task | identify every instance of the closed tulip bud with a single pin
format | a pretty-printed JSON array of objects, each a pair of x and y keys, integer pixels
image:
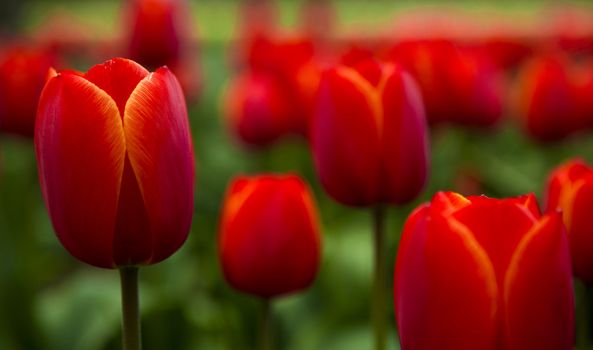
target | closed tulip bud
[
  {"x": 23, "y": 73},
  {"x": 369, "y": 137},
  {"x": 156, "y": 33},
  {"x": 159, "y": 34},
  {"x": 273, "y": 96},
  {"x": 473, "y": 83},
  {"x": 547, "y": 99},
  {"x": 570, "y": 190},
  {"x": 483, "y": 273},
  {"x": 257, "y": 110},
  {"x": 115, "y": 163},
  {"x": 269, "y": 242}
]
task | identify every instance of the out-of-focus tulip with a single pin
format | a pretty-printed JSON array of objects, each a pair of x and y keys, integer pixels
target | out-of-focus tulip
[
  {"x": 257, "y": 109},
  {"x": 482, "y": 273},
  {"x": 473, "y": 84},
  {"x": 159, "y": 34},
  {"x": 116, "y": 163},
  {"x": 547, "y": 102},
  {"x": 506, "y": 51},
  {"x": 274, "y": 95},
  {"x": 369, "y": 136},
  {"x": 570, "y": 189},
  {"x": 23, "y": 73},
  {"x": 269, "y": 242}
]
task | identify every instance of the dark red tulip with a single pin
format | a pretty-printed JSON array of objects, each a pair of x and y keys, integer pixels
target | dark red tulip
[
  {"x": 269, "y": 242},
  {"x": 481, "y": 273},
  {"x": 23, "y": 73},
  {"x": 547, "y": 103},
  {"x": 116, "y": 163},
  {"x": 369, "y": 137},
  {"x": 473, "y": 85},
  {"x": 159, "y": 34},
  {"x": 570, "y": 189}
]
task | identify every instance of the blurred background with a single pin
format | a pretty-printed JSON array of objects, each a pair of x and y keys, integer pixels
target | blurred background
[{"x": 48, "y": 300}]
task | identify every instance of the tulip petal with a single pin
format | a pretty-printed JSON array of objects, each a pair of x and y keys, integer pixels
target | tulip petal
[
  {"x": 488, "y": 221},
  {"x": 405, "y": 145},
  {"x": 577, "y": 218},
  {"x": 538, "y": 294},
  {"x": 118, "y": 77},
  {"x": 80, "y": 151},
  {"x": 345, "y": 137},
  {"x": 445, "y": 287},
  {"x": 161, "y": 154}
]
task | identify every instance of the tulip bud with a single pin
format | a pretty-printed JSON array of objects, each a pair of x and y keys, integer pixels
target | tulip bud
[
  {"x": 257, "y": 109},
  {"x": 115, "y": 163},
  {"x": 482, "y": 273},
  {"x": 369, "y": 136},
  {"x": 473, "y": 85},
  {"x": 269, "y": 242},
  {"x": 23, "y": 73},
  {"x": 547, "y": 99},
  {"x": 159, "y": 34},
  {"x": 570, "y": 189},
  {"x": 274, "y": 95}
]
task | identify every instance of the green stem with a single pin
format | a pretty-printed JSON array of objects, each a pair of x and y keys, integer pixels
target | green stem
[
  {"x": 583, "y": 317},
  {"x": 130, "y": 308},
  {"x": 265, "y": 328},
  {"x": 379, "y": 297}
]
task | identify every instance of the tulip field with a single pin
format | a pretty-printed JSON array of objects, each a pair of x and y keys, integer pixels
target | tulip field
[{"x": 299, "y": 175}]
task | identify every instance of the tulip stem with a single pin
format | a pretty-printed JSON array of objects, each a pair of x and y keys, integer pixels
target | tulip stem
[
  {"x": 583, "y": 317},
  {"x": 265, "y": 328},
  {"x": 131, "y": 314},
  {"x": 379, "y": 297}
]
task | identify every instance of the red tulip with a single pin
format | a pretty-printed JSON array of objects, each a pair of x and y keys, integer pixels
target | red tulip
[
  {"x": 481, "y": 273},
  {"x": 547, "y": 99},
  {"x": 257, "y": 109},
  {"x": 156, "y": 31},
  {"x": 159, "y": 34},
  {"x": 570, "y": 189},
  {"x": 23, "y": 73},
  {"x": 369, "y": 136},
  {"x": 274, "y": 95},
  {"x": 506, "y": 50},
  {"x": 473, "y": 85},
  {"x": 116, "y": 163},
  {"x": 269, "y": 242}
]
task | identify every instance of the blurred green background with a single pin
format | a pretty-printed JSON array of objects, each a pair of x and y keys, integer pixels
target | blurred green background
[{"x": 48, "y": 300}]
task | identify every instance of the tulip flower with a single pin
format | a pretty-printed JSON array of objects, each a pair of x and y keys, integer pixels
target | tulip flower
[
  {"x": 158, "y": 34},
  {"x": 483, "y": 273},
  {"x": 269, "y": 242},
  {"x": 116, "y": 165},
  {"x": 23, "y": 73},
  {"x": 548, "y": 99},
  {"x": 273, "y": 95},
  {"x": 473, "y": 84},
  {"x": 368, "y": 135},
  {"x": 257, "y": 109},
  {"x": 370, "y": 148},
  {"x": 570, "y": 189}
]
